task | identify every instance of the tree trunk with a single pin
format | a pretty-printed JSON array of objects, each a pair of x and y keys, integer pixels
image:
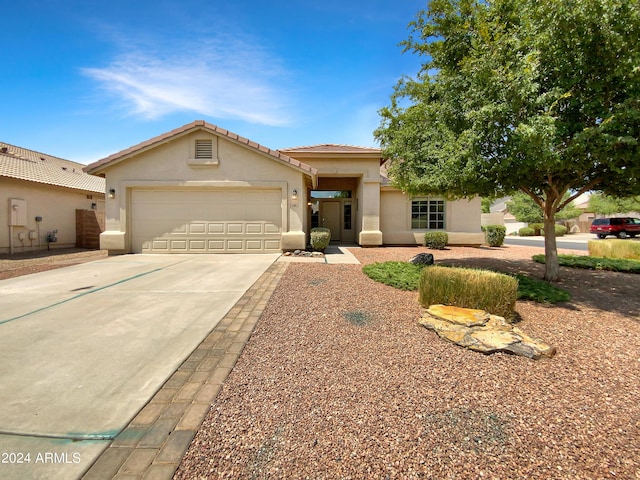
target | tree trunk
[{"x": 552, "y": 267}]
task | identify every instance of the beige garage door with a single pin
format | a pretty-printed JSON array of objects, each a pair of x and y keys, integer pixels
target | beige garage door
[{"x": 206, "y": 221}]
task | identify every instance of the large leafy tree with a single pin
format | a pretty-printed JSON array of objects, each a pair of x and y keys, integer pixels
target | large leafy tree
[
  {"x": 519, "y": 95},
  {"x": 607, "y": 205}
]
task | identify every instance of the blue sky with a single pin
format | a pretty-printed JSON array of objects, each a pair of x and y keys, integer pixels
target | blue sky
[{"x": 84, "y": 79}]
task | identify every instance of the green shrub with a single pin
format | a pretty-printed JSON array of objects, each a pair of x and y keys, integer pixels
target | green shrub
[
  {"x": 526, "y": 232},
  {"x": 406, "y": 276},
  {"x": 436, "y": 240},
  {"x": 561, "y": 230},
  {"x": 595, "y": 263},
  {"x": 494, "y": 234},
  {"x": 320, "y": 238},
  {"x": 536, "y": 228},
  {"x": 493, "y": 292},
  {"x": 401, "y": 275},
  {"x": 614, "y": 249}
]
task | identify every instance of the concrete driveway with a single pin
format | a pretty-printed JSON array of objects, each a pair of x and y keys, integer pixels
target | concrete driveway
[{"x": 83, "y": 348}]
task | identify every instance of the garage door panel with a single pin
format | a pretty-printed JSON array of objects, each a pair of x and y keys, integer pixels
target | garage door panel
[
  {"x": 197, "y": 228},
  {"x": 237, "y": 245},
  {"x": 254, "y": 245},
  {"x": 158, "y": 245},
  {"x": 254, "y": 228},
  {"x": 270, "y": 228},
  {"x": 272, "y": 244},
  {"x": 179, "y": 245},
  {"x": 214, "y": 228},
  {"x": 235, "y": 228},
  {"x": 200, "y": 221},
  {"x": 216, "y": 245}
]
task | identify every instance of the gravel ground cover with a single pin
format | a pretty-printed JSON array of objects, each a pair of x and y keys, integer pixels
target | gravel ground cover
[
  {"x": 25, "y": 263},
  {"x": 339, "y": 381}
]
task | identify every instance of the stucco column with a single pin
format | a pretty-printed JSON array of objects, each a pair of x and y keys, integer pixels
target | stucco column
[
  {"x": 294, "y": 237},
  {"x": 113, "y": 238},
  {"x": 370, "y": 234}
]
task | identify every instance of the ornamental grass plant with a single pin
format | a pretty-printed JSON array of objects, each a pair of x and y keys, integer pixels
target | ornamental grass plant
[
  {"x": 493, "y": 292},
  {"x": 614, "y": 249}
]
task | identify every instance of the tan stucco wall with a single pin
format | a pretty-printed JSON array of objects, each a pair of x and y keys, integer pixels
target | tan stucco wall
[
  {"x": 462, "y": 220},
  {"x": 171, "y": 165},
  {"x": 57, "y": 207}
]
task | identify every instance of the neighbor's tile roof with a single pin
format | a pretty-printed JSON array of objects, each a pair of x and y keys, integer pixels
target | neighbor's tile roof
[
  {"x": 202, "y": 125},
  {"x": 23, "y": 164}
]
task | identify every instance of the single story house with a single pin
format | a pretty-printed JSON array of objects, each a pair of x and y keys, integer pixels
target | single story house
[
  {"x": 202, "y": 189},
  {"x": 49, "y": 202}
]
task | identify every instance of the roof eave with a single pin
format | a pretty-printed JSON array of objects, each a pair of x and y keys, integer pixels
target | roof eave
[{"x": 102, "y": 165}]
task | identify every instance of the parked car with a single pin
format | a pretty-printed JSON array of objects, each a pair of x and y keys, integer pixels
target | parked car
[{"x": 621, "y": 227}]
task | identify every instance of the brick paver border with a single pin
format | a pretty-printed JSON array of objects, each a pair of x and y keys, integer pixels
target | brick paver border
[{"x": 154, "y": 442}]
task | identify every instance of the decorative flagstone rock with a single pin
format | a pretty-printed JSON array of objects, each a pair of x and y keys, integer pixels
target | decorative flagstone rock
[{"x": 480, "y": 331}]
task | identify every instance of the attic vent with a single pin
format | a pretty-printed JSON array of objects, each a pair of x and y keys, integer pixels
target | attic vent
[{"x": 204, "y": 149}]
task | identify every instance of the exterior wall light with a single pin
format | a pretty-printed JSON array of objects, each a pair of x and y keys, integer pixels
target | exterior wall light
[
  {"x": 294, "y": 194},
  {"x": 112, "y": 193}
]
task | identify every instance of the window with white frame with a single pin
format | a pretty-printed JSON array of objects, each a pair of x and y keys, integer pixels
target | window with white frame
[{"x": 427, "y": 214}]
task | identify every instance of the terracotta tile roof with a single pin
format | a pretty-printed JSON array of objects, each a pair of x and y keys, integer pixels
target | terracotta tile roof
[
  {"x": 331, "y": 148},
  {"x": 23, "y": 164},
  {"x": 185, "y": 129}
]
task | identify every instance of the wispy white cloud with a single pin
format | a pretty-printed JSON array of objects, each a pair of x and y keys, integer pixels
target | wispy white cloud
[{"x": 215, "y": 77}]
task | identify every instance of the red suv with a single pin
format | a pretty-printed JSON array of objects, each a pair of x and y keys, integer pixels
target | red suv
[{"x": 621, "y": 227}]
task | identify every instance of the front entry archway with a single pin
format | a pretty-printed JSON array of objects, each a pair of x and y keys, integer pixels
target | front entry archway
[
  {"x": 336, "y": 214},
  {"x": 332, "y": 207}
]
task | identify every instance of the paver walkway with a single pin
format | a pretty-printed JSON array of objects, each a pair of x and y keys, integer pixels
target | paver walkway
[{"x": 153, "y": 444}]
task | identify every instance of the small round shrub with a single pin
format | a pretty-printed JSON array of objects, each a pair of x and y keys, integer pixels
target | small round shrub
[
  {"x": 561, "y": 231},
  {"x": 537, "y": 227},
  {"x": 320, "y": 238},
  {"x": 526, "y": 232},
  {"x": 494, "y": 234},
  {"x": 436, "y": 240}
]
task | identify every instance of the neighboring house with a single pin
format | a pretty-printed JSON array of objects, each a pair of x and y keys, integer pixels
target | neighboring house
[
  {"x": 200, "y": 188},
  {"x": 44, "y": 199},
  {"x": 499, "y": 215}
]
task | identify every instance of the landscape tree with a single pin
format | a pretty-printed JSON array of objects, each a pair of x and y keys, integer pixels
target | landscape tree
[
  {"x": 519, "y": 95},
  {"x": 608, "y": 205},
  {"x": 525, "y": 209}
]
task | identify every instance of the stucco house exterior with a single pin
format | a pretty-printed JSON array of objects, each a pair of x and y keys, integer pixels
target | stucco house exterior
[
  {"x": 202, "y": 189},
  {"x": 42, "y": 196}
]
